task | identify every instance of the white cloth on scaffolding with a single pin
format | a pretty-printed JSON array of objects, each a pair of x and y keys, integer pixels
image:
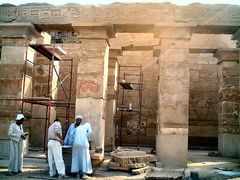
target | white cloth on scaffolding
[
  {"x": 69, "y": 139},
  {"x": 81, "y": 160},
  {"x": 16, "y": 148},
  {"x": 55, "y": 159}
]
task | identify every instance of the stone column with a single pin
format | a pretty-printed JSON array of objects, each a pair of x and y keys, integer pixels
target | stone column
[
  {"x": 14, "y": 39},
  {"x": 92, "y": 76},
  {"x": 111, "y": 99},
  {"x": 173, "y": 89},
  {"x": 229, "y": 102}
]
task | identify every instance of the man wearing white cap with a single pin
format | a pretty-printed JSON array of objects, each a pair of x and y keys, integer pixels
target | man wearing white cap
[
  {"x": 71, "y": 131},
  {"x": 16, "y": 136}
]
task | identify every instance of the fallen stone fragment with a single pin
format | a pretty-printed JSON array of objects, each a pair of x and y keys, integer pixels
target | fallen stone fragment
[{"x": 140, "y": 170}]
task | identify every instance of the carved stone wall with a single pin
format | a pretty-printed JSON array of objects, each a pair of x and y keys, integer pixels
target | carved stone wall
[
  {"x": 149, "y": 98},
  {"x": 203, "y": 104},
  {"x": 123, "y": 14}
]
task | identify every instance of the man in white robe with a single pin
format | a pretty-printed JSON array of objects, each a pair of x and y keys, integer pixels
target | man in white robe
[
  {"x": 81, "y": 160},
  {"x": 69, "y": 138},
  {"x": 16, "y": 136},
  {"x": 55, "y": 142}
]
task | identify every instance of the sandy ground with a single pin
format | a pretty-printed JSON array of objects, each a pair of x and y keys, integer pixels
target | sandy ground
[{"x": 209, "y": 168}]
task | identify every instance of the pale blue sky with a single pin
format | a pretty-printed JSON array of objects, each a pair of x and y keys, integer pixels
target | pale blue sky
[{"x": 96, "y": 2}]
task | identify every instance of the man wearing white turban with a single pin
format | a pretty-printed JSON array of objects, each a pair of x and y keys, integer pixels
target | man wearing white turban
[
  {"x": 81, "y": 160},
  {"x": 69, "y": 138},
  {"x": 16, "y": 136}
]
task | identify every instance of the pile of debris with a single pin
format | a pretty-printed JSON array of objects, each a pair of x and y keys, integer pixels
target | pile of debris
[{"x": 131, "y": 160}]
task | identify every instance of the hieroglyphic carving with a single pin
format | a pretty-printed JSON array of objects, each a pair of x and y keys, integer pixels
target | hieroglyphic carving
[
  {"x": 84, "y": 14},
  {"x": 210, "y": 14},
  {"x": 123, "y": 13},
  {"x": 8, "y": 14},
  {"x": 231, "y": 14},
  {"x": 109, "y": 14}
]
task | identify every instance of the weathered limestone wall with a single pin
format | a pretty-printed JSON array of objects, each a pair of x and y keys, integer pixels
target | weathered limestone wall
[
  {"x": 203, "y": 102},
  {"x": 149, "y": 100},
  {"x": 11, "y": 76},
  {"x": 13, "y": 55}
]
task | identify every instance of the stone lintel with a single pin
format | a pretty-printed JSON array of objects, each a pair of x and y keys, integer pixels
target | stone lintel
[
  {"x": 94, "y": 30},
  {"x": 134, "y": 28},
  {"x": 55, "y": 27},
  {"x": 182, "y": 131},
  {"x": 137, "y": 48},
  {"x": 227, "y": 55},
  {"x": 18, "y": 30},
  {"x": 202, "y": 50},
  {"x": 174, "y": 30},
  {"x": 216, "y": 29}
]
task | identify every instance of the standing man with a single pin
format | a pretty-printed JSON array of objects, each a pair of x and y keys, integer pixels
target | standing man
[
  {"x": 69, "y": 139},
  {"x": 81, "y": 160},
  {"x": 16, "y": 136},
  {"x": 55, "y": 158}
]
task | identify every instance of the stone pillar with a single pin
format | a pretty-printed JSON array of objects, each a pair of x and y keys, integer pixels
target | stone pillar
[
  {"x": 229, "y": 102},
  {"x": 173, "y": 89},
  {"x": 111, "y": 99},
  {"x": 92, "y": 75},
  {"x": 14, "y": 39}
]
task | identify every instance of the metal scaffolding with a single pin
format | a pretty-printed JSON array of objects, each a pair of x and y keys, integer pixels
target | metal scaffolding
[
  {"x": 52, "y": 53},
  {"x": 130, "y": 78}
]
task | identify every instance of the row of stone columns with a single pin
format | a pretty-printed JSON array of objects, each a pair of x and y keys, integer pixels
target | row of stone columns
[{"x": 96, "y": 80}]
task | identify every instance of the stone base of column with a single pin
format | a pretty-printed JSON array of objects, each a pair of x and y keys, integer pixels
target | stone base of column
[
  {"x": 172, "y": 150},
  {"x": 229, "y": 145}
]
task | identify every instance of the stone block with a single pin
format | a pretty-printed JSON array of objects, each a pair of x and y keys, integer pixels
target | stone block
[
  {"x": 113, "y": 164},
  {"x": 158, "y": 173},
  {"x": 230, "y": 71},
  {"x": 117, "y": 166},
  {"x": 228, "y": 145},
  {"x": 11, "y": 87},
  {"x": 178, "y": 114},
  {"x": 10, "y": 71},
  {"x": 90, "y": 86},
  {"x": 140, "y": 170},
  {"x": 194, "y": 75},
  {"x": 169, "y": 147},
  {"x": 136, "y": 165},
  {"x": 92, "y": 112},
  {"x": 13, "y": 55}
]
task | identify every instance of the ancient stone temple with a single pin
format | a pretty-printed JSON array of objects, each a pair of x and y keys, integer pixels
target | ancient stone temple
[{"x": 156, "y": 75}]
